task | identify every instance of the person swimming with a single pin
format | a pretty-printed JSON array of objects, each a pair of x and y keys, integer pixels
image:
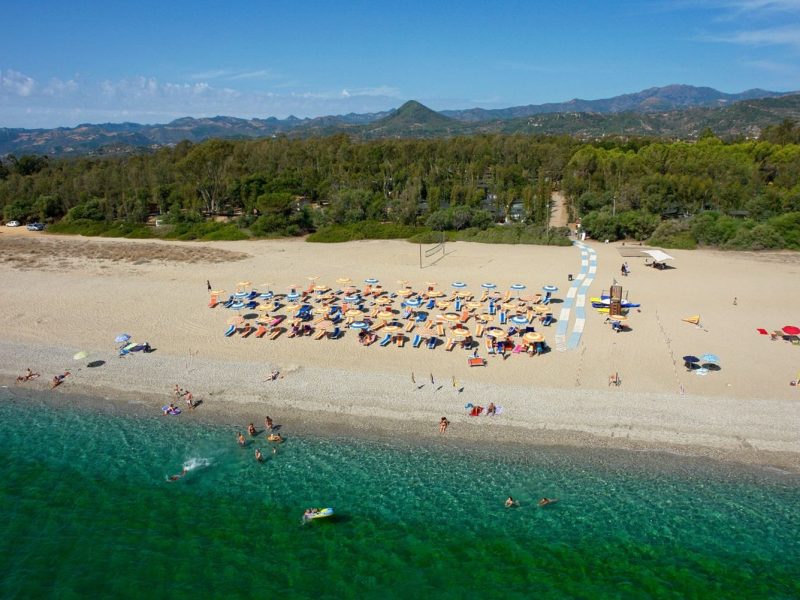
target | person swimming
[
  {"x": 176, "y": 477},
  {"x": 240, "y": 439},
  {"x": 546, "y": 501},
  {"x": 259, "y": 456},
  {"x": 251, "y": 429},
  {"x": 511, "y": 502}
]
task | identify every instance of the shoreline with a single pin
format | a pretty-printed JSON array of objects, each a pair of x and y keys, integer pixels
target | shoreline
[
  {"x": 64, "y": 295},
  {"x": 302, "y": 403}
]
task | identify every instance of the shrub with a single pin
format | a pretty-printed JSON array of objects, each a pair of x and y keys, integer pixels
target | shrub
[
  {"x": 673, "y": 234},
  {"x": 365, "y": 230}
]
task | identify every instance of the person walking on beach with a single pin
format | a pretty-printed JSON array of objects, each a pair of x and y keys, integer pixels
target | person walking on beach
[
  {"x": 443, "y": 423},
  {"x": 268, "y": 423},
  {"x": 189, "y": 400},
  {"x": 208, "y": 284}
]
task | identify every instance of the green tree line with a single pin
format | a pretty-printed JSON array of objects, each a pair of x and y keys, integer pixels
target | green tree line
[{"x": 733, "y": 195}]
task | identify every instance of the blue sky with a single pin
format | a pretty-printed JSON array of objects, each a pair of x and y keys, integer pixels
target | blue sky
[{"x": 64, "y": 63}]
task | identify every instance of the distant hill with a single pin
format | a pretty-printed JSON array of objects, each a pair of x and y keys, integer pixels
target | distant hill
[
  {"x": 656, "y": 99},
  {"x": 677, "y": 112},
  {"x": 411, "y": 120}
]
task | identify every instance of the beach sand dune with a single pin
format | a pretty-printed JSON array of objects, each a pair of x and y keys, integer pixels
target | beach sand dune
[{"x": 63, "y": 294}]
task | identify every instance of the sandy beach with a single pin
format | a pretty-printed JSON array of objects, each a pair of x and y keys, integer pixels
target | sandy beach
[{"x": 65, "y": 294}]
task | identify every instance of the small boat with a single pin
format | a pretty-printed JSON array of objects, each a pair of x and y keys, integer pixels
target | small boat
[
  {"x": 317, "y": 513},
  {"x": 605, "y": 302}
]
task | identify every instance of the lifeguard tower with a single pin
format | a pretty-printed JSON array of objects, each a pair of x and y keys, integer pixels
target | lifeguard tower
[{"x": 615, "y": 301}]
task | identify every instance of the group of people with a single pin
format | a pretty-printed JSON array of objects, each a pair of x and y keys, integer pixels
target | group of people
[
  {"x": 179, "y": 393},
  {"x": 510, "y": 502},
  {"x": 29, "y": 374},
  {"x": 272, "y": 436}
]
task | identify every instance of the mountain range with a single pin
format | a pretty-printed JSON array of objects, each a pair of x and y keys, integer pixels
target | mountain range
[{"x": 675, "y": 112}]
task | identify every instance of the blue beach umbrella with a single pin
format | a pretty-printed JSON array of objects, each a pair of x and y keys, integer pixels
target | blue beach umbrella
[
  {"x": 122, "y": 337},
  {"x": 549, "y": 288},
  {"x": 265, "y": 295},
  {"x": 691, "y": 359},
  {"x": 488, "y": 286},
  {"x": 359, "y": 325},
  {"x": 371, "y": 281},
  {"x": 709, "y": 358},
  {"x": 519, "y": 319},
  {"x": 459, "y": 284},
  {"x": 292, "y": 296},
  {"x": 413, "y": 302},
  {"x": 352, "y": 298},
  {"x": 518, "y": 287}
]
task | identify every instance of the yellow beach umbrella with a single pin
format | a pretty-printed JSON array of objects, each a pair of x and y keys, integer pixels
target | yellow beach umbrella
[
  {"x": 392, "y": 328},
  {"x": 383, "y": 300},
  {"x": 460, "y": 332},
  {"x": 451, "y": 316},
  {"x": 237, "y": 320},
  {"x": 542, "y": 309},
  {"x": 384, "y": 314},
  {"x": 442, "y": 304},
  {"x": 496, "y": 332},
  {"x": 321, "y": 287},
  {"x": 533, "y": 336},
  {"x": 405, "y": 292},
  {"x": 343, "y": 280},
  {"x": 354, "y": 313},
  {"x": 217, "y": 292}
]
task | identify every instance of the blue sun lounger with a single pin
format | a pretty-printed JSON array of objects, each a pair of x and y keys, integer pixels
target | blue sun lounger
[
  {"x": 548, "y": 318},
  {"x": 431, "y": 304},
  {"x": 385, "y": 341},
  {"x": 503, "y": 317},
  {"x": 230, "y": 331},
  {"x": 432, "y": 343},
  {"x": 416, "y": 341}
]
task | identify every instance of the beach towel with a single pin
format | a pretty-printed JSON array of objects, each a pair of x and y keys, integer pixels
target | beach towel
[{"x": 762, "y": 331}]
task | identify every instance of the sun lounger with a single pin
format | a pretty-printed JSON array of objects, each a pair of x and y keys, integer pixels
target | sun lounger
[
  {"x": 546, "y": 299},
  {"x": 335, "y": 333},
  {"x": 431, "y": 343},
  {"x": 464, "y": 316},
  {"x": 484, "y": 296},
  {"x": 230, "y": 331},
  {"x": 517, "y": 349},
  {"x": 450, "y": 344},
  {"x": 489, "y": 345},
  {"x": 375, "y": 312},
  {"x": 440, "y": 329},
  {"x": 421, "y": 317},
  {"x": 320, "y": 334},
  {"x": 212, "y": 302},
  {"x": 476, "y": 361},
  {"x": 275, "y": 332},
  {"x": 409, "y": 326},
  {"x": 385, "y": 341},
  {"x": 416, "y": 341},
  {"x": 430, "y": 325},
  {"x": 262, "y": 330},
  {"x": 479, "y": 330},
  {"x": 431, "y": 304},
  {"x": 247, "y": 330},
  {"x": 276, "y": 321},
  {"x": 503, "y": 317},
  {"x": 378, "y": 325},
  {"x": 401, "y": 340},
  {"x": 548, "y": 318}
]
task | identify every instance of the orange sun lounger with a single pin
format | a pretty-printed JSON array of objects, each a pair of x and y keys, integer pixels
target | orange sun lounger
[{"x": 261, "y": 331}]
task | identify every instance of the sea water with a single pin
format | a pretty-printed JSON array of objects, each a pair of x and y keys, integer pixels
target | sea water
[{"x": 88, "y": 510}]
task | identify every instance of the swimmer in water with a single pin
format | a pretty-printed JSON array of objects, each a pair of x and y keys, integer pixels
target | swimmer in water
[
  {"x": 240, "y": 439},
  {"x": 259, "y": 456},
  {"x": 176, "y": 477}
]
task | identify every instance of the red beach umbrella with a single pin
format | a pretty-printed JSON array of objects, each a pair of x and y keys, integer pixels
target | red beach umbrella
[{"x": 791, "y": 330}]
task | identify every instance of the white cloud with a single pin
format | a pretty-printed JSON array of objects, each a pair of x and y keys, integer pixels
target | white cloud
[
  {"x": 67, "y": 102},
  {"x": 788, "y": 35},
  {"x": 16, "y": 83}
]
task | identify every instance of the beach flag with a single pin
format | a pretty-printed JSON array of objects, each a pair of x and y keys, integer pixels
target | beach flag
[{"x": 694, "y": 319}]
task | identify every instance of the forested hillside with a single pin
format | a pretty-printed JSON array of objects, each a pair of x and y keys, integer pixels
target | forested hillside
[{"x": 735, "y": 195}]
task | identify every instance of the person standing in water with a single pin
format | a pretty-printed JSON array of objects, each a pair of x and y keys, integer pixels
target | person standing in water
[
  {"x": 268, "y": 423},
  {"x": 259, "y": 456},
  {"x": 240, "y": 439}
]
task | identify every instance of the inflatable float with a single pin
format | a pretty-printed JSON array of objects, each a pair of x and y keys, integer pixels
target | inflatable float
[
  {"x": 170, "y": 411},
  {"x": 317, "y": 513}
]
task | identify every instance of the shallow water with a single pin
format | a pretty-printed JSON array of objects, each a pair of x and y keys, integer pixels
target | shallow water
[{"x": 88, "y": 510}]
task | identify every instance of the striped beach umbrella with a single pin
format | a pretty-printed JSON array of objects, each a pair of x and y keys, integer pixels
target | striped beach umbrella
[
  {"x": 459, "y": 284},
  {"x": 550, "y": 288},
  {"x": 488, "y": 286},
  {"x": 359, "y": 325},
  {"x": 371, "y": 281}
]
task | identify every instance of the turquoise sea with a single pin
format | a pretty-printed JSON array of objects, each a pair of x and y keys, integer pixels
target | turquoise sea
[{"x": 87, "y": 511}]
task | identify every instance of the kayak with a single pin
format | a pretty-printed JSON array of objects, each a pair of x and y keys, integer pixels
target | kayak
[{"x": 320, "y": 513}]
